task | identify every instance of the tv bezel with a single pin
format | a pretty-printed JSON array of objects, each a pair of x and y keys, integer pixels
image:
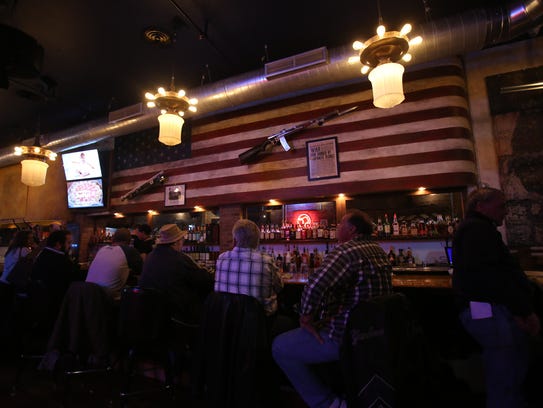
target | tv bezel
[
  {"x": 76, "y": 153},
  {"x": 102, "y": 205}
]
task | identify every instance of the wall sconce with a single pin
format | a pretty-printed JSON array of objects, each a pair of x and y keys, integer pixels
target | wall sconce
[
  {"x": 34, "y": 164},
  {"x": 172, "y": 105},
  {"x": 379, "y": 56}
]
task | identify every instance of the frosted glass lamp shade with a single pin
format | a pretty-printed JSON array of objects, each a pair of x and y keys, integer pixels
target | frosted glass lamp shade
[
  {"x": 170, "y": 129},
  {"x": 33, "y": 172},
  {"x": 386, "y": 81}
]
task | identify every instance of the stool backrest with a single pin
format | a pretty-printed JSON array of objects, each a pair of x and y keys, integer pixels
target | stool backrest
[
  {"x": 382, "y": 354},
  {"x": 233, "y": 351},
  {"x": 143, "y": 315}
]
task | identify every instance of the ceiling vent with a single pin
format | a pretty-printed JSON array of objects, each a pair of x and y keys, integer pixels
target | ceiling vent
[
  {"x": 296, "y": 63},
  {"x": 125, "y": 113}
]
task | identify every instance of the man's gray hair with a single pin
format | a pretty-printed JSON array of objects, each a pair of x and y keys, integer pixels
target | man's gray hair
[
  {"x": 481, "y": 195},
  {"x": 246, "y": 233}
]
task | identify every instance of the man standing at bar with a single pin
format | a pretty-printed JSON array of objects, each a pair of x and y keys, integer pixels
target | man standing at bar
[
  {"x": 143, "y": 242},
  {"x": 356, "y": 270},
  {"x": 495, "y": 298}
]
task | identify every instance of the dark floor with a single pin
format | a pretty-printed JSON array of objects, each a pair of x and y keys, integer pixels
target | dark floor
[{"x": 40, "y": 389}]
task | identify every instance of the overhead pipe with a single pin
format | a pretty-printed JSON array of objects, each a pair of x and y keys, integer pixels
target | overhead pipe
[{"x": 459, "y": 34}]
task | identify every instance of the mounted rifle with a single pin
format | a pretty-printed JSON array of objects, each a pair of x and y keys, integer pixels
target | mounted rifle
[{"x": 254, "y": 154}]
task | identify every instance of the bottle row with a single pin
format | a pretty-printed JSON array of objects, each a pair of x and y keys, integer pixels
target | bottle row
[
  {"x": 290, "y": 232},
  {"x": 208, "y": 233},
  {"x": 414, "y": 227},
  {"x": 401, "y": 258},
  {"x": 295, "y": 260}
]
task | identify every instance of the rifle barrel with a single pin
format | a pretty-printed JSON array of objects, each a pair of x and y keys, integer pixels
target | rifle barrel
[{"x": 253, "y": 153}]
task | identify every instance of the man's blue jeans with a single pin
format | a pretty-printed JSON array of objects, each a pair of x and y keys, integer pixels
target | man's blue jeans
[
  {"x": 505, "y": 356},
  {"x": 294, "y": 351}
]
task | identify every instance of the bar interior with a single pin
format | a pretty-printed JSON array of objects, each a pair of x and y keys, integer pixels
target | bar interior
[{"x": 293, "y": 147}]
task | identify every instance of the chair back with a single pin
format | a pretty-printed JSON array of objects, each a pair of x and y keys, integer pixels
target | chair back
[
  {"x": 143, "y": 315},
  {"x": 234, "y": 347},
  {"x": 83, "y": 326},
  {"x": 382, "y": 354}
]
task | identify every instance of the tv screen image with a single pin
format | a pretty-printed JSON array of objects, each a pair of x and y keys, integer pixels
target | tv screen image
[
  {"x": 85, "y": 193},
  {"x": 81, "y": 165}
]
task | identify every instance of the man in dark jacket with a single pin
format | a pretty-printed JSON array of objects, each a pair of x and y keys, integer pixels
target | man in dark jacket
[
  {"x": 54, "y": 270},
  {"x": 495, "y": 298},
  {"x": 184, "y": 283}
]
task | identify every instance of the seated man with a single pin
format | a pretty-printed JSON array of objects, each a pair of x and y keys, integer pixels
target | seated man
[
  {"x": 357, "y": 269},
  {"x": 247, "y": 271},
  {"x": 183, "y": 282},
  {"x": 113, "y": 263},
  {"x": 54, "y": 270}
]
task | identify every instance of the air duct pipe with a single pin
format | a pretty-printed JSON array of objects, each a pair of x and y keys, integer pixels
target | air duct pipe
[{"x": 459, "y": 34}]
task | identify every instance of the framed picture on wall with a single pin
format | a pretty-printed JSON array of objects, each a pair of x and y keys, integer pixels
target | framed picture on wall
[
  {"x": 174, "y": 195},
  {"x": 322, "y": 159}
]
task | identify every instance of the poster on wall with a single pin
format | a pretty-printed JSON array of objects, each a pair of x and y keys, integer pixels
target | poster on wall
[
  {"x": 174, "y": 195},
  {"x": 322, "y": 159}
]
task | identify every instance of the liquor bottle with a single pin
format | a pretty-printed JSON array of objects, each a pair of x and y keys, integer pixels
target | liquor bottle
[
  {"x": 320, "y": 232},
  {"x": 413, "y": 229},
  {"x": 292, "y": 232},
  {"x": 380, "y": 228},
  {"x": 333, "y": 231},
  {"x": 401, "y": 257},
  {"x": 318, "y": 258},
  {"x": 422, "y": 228},
  {"x": 305, "y": 256},
  {"x": 392, "y": 256},
  {"x": 326, "y": 233},
  {"x": 409, "y": 258},
  {"x": 309, "y": 232},
  {"x": 395, "y": 226},
  {"x": 303, "y": 232},
  {"x": 403, "y": 228},
  {"x": 279, "y": 262},
  {"x": 386, "y": 226}
]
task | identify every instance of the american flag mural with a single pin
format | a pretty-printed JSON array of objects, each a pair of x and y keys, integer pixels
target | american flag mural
[{"x": 424, "y": 141}]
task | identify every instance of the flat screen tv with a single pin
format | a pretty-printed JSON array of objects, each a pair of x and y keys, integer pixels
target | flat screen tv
[
  {"x": 85, "y": 193},
  {"x": 81, "y": 165}
]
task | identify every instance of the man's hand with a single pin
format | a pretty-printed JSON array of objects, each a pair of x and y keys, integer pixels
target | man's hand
[{"x": 306, "y": 323}]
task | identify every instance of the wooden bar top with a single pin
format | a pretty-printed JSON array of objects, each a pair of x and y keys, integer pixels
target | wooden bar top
[
  {"x": 411, "y": 280},
  {"x": 404, "y": 280}
]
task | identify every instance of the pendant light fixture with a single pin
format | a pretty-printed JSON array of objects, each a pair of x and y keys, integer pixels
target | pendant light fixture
[
  {"x": 172, "y": 105},
  {"x": 379, "y": 56},
  {"x": 34, "y": 164}
]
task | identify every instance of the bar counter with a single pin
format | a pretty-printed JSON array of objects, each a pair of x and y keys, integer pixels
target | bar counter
[
  {"x": 418, "y": 277},
  {"x": 434, "y": 277}
]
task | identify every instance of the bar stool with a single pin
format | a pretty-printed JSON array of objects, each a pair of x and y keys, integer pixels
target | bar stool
[
  {"x": 143, "y": 334},
  {"x": 234, "y": 351},
  {"x": 82, "y": 340},
  {"x": 382, "y": 353},
  {"x": 31, "y": 329}
]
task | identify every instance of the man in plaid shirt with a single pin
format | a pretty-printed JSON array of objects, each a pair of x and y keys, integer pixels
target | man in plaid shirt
[
  {"x": 357, "y": 269},
  {"x": 245, "y": 270}
]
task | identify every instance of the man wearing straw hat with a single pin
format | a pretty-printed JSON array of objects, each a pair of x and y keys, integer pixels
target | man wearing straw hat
[{"x": 183, "y": 282}]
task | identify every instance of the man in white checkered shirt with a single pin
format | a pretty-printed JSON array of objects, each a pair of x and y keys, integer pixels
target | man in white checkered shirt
[{"x": 245, "y": 270}]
